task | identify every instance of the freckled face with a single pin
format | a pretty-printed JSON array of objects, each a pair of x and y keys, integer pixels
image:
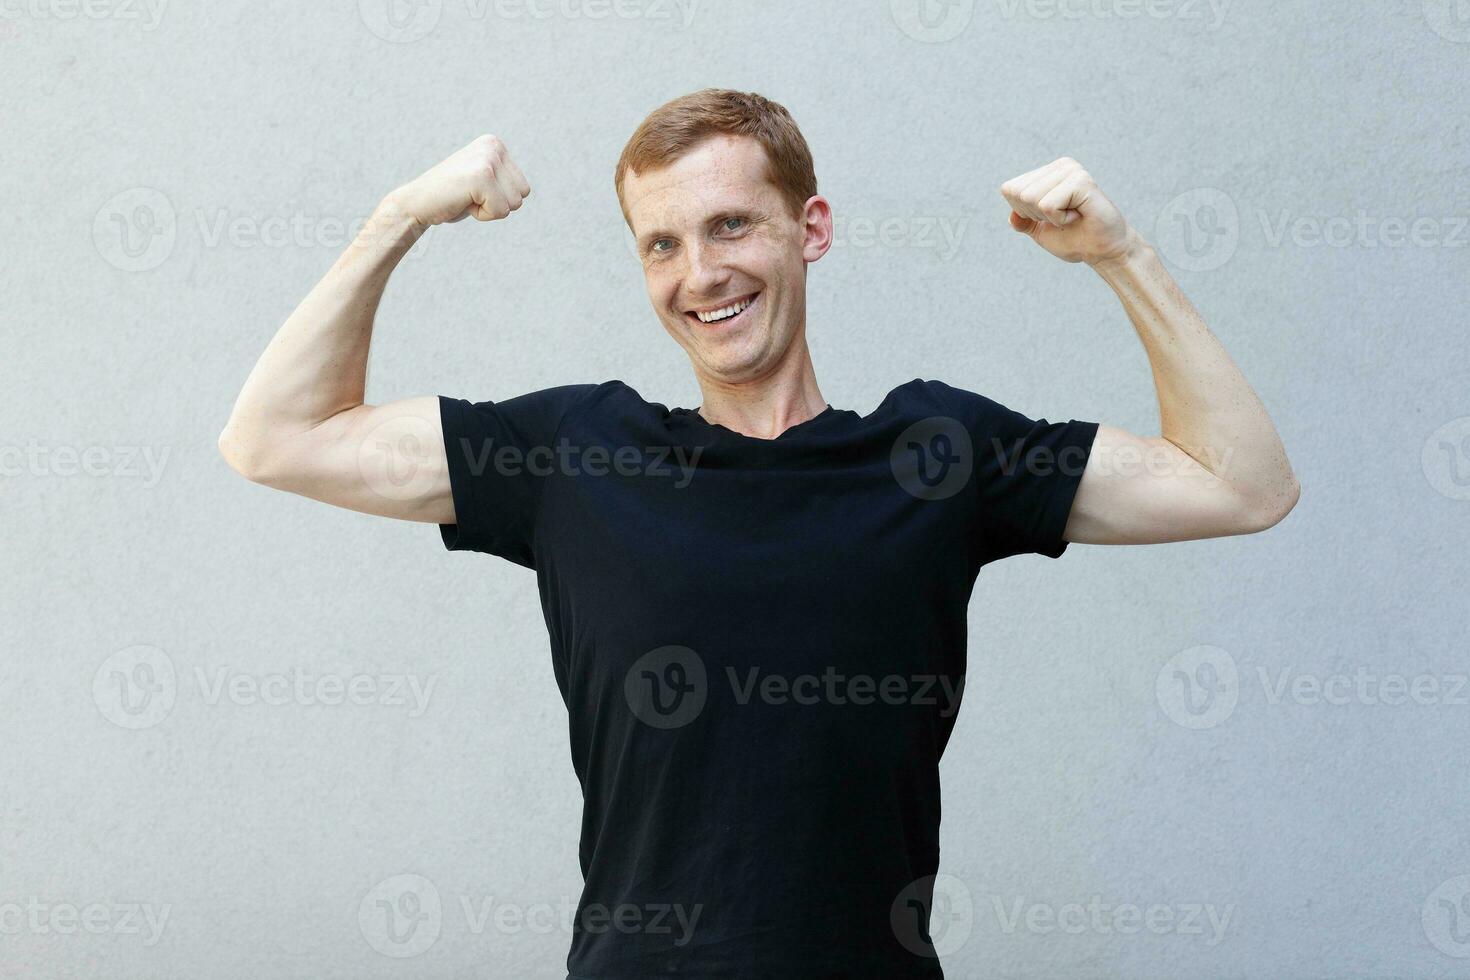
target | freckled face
[{"x": 716, "y": 238}]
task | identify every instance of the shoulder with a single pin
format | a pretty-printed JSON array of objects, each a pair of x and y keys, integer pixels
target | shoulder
[
  {"x": 932, "y": 397},
  {"x": 557, "y": 400},
  {"x": 610, "y": 409},
  {"x": 536, "y": 413}
]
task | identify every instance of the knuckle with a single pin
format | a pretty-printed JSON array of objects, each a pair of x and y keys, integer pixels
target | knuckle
[{"x": 489, "y": 148}]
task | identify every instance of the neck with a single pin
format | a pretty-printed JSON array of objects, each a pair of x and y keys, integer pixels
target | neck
[{"x": 767, "y": 406}]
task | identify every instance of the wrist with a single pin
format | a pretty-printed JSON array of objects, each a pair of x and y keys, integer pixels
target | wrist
[
  {"x": 392, "y": 221},
  {"x": 1135, "y": 251},
  {"x": 394, "y": 209}
]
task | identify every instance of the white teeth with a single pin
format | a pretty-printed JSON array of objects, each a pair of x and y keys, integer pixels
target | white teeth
[{"x": 723, "y": 313}]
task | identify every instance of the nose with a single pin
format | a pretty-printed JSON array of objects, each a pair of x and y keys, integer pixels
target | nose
[{"x": 707, "y": 274}]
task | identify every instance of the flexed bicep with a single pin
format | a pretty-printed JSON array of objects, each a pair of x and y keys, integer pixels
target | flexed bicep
[
  {"x": 387, "y": 460},
  {"x": 1147, "y": 490}
]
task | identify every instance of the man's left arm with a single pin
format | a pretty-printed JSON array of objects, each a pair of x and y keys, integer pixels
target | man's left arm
[{"x": 1218, "y": 466}]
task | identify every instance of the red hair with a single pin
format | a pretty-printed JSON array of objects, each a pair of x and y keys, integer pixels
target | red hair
[{"x": 676, "y": 127}]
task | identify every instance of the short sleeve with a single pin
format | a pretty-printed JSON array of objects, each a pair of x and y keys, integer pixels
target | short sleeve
[
  {"x": 499, "y": 455},
  {"x": 1026, "y": 476}
]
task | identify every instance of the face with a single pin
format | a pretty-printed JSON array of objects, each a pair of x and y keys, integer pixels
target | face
[{"x": 715, "y": 236}]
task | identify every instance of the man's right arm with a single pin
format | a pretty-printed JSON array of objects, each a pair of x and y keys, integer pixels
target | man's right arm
[{"x": 300, "y": 423}]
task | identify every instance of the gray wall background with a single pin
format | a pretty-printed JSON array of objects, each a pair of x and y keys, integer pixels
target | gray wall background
[{"x": 1140, "y": 727}]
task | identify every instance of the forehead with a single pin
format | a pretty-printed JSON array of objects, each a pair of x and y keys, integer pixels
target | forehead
[{"x": 721, "y": 172}]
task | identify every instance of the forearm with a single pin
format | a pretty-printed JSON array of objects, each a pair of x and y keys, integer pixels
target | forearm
[
  {"x": 316, "y": 364},
  {"x": 1206, "y": 406}
]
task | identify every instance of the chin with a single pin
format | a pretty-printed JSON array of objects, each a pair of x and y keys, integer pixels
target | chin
[{"x": 733, "y": 366}]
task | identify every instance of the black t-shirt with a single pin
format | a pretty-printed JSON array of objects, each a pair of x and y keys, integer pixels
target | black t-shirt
[{"x": 761, "y": 648}]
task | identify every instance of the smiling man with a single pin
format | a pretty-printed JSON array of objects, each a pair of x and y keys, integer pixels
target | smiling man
[{"x": 757, "y": 608}]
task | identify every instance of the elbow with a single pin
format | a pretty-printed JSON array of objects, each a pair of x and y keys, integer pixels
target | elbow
[
  {"x": 241, "y": 456},
  {"x": 1273, "y": 511}
]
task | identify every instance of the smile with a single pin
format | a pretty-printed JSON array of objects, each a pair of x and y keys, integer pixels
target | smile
[{"x": 723, "y": 314}]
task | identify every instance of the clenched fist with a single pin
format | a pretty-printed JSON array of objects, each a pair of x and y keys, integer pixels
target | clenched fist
[
  {"x": 480, "y": 180},
  {"x": 1062, "y": 209}
]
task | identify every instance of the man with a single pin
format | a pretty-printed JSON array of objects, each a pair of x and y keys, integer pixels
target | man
[{"x": 757, "y": 608}]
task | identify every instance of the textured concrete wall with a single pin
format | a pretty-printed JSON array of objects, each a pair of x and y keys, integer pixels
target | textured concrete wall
[{"x": 1201, "y": 732}]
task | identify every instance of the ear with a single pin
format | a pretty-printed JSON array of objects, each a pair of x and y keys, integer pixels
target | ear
[{"x": 817, "y": 228}]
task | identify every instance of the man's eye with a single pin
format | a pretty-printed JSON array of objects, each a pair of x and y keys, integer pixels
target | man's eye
[
  {"x": 655, "y": 246},
  {"x": 736, "y": 226}
]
